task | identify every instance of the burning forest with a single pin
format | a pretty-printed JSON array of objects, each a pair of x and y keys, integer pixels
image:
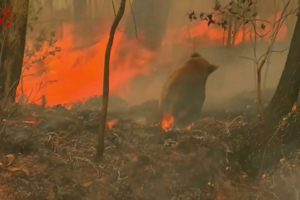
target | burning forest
[{"x": 149, "y": 99}]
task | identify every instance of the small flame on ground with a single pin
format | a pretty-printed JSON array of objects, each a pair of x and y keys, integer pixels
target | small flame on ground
[
  {"x": 112, "y": 123},
  {"x": 167, "y": 123},
  {"x": 31, "y": 122}
]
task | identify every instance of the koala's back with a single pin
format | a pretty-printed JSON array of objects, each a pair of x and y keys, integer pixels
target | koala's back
[{"x": 183, "y": 94}]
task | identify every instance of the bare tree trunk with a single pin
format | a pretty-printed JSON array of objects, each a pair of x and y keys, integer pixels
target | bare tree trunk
[
  {"x": 151, "y": 21},
  {"x": 12, "y": 51},
  {"x": 236, "y": 29},
  {"x": 289, "y": 84},
  {"x": 105, "y": 97},
  {"x": 229, "y": 33},
  {"x": 259, "y": 92}
]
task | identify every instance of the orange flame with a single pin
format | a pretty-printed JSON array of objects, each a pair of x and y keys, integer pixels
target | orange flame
[
  {"x": 75, "y": 74},
  {"x": 167, "y": 123},
  {"x": 112, "y": 123}
]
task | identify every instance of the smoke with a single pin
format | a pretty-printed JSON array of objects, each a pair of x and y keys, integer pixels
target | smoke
[
  {"x": 236, "y": 74},
  {"x": 138, "y": 72}
]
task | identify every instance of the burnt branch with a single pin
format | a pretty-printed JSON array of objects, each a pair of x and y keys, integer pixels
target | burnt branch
[{"x": 100, "y": 147}]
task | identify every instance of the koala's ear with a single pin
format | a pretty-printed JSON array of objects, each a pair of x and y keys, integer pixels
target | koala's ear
[{"x": 212, "y": 68}]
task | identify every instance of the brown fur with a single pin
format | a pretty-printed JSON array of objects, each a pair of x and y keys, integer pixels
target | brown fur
[{"x": 183, "y": 94}]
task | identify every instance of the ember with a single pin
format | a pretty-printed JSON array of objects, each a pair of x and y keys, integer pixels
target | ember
[
  {"x": 167, "y": 123},
  {"x": 112, "y": 123}
]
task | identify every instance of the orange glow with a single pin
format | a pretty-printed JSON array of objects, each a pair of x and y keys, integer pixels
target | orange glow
[
  {"x": 211, "y": 34},
  {"x": 75, "y": 74},
  {"x": 167, "y": 123},
  {"x": 199, "y": 33},
  {"x": 112, "y": 123},
  {"x": 282, "y": 34},
  {"x": 31, "y": 122},
  {"x": 202, "y": 34}
]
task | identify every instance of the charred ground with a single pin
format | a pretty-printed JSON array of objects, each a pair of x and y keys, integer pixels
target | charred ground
[{"x": 49, "y": 154}]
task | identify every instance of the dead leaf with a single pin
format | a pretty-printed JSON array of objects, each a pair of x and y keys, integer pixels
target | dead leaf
[
  {"x": 18, "y": 170},
  {"x": 9, "y": 159}
]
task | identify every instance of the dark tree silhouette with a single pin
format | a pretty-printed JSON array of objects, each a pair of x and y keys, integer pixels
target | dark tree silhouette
[
  {"x": 105, "y": 97},
  {"x": 280, "y": 134},
  {"x": 12, "y": 50},
  {"x": 289, "y": 84}
]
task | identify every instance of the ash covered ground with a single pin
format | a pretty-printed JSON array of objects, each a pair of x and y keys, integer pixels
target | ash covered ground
[{"x": 49, "y": 154}]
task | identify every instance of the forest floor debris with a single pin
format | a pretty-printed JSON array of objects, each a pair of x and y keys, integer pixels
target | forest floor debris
[{"x": 49, "y": 154}]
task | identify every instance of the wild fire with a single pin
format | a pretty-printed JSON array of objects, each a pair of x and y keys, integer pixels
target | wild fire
[{"x": 74, "y": 74}]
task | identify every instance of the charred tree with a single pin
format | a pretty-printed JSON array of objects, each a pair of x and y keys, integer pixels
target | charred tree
[
  {"x": 289, "y": 85},
  {"x": 150, "y": 20},
  {"x": 12, "y": 50},
  {"x": 279, "y": 136},
  {"x": 105, "y": 93}
]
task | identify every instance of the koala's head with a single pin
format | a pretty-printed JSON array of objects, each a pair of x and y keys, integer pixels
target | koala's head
[
  {"x": 201, "y": 62},
  {"x": 212, "y": 68}
]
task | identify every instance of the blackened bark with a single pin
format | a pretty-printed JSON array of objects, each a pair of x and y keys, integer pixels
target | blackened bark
[
  {"x": 3, "y": 4},
  {"x": 289, "y": 84},
  {"x": 282, "y": 138},
  {"x": 13, "y": 46}
]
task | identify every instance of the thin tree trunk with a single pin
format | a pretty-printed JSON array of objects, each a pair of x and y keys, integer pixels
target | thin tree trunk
[
  {"x": 289, "y": 84},
  {"x": 259, "y": 92},
  {"x": 12, "y": 52},
  {"x": 236, "y": 29},
  {"x": 229, "y": 33},
  {"x": 105, "y": 97}
]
